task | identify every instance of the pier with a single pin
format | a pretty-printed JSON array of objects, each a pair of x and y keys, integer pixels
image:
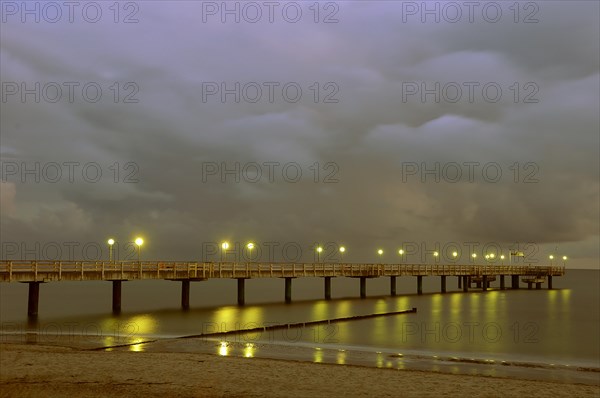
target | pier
[{"x": 35, "y": 273}]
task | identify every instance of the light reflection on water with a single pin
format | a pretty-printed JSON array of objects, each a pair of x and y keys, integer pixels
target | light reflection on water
[
  {"x": 318, "y": 355},
  {"x": 127, "y": 331},
  {"x": 341, "y": 357},
  {"x": 223, "y": 349},
  {"x": 249, "y": 350},
  {"x": 561, "y": 324},
  {"x": 379, "y": 360},
  {"x": 136, "y": 347}
]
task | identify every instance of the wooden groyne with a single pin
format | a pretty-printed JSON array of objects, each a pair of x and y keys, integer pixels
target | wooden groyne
[{"x": 262, "y": 329}]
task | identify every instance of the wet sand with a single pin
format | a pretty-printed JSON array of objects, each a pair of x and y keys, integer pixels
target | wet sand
[{"x": 53, "y": 371}]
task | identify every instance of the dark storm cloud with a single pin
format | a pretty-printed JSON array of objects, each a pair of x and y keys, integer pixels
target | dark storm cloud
[{"x": 370, "y": 133}]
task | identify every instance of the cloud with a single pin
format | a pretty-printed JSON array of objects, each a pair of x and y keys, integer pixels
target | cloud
[
  {"x": 364, "y": 140},
  {"x": 8, "y": 193}
]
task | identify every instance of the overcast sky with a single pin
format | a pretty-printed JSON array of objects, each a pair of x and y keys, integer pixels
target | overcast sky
[{"x": 361, "y": 121}]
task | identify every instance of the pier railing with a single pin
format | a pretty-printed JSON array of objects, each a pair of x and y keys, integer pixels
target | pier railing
[{"x": 46, "y": 271}]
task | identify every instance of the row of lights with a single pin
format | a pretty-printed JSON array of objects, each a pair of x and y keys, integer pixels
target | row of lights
[
  {"x": 138, "y": 241},
  {"x": 250, "y": 246},
  {"x": 551, "y": 258},
  {"x": 225, "y": 245},
  {"x": 342, "y": 250},
  {"x": 488, "y": 257}
]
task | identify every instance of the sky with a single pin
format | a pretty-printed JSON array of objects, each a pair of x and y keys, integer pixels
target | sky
[{"x": 447, "y": 126}]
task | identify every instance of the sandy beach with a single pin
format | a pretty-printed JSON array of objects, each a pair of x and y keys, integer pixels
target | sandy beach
[{"x": 52, "y": 371}]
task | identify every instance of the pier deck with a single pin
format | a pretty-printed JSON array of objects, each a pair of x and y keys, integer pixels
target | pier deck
[
  {"x": 36, "y": 272},
  {"x": 52, "y": 271}
]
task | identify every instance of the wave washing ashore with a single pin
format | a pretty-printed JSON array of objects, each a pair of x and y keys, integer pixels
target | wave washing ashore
[
  {"x": 378, "y": 358},
  {"x": 235, "y": 344},
  {"x": 57, "y": 371}
]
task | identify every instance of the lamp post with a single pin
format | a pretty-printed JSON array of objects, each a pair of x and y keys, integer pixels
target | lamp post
[
  {"x": 139, "y": 242},
  {"x": 380, "y": 252},
  {"x": 551, "y": 258},
  {"x": 250, "y": 246},
  {"x": 401, "y": 253},
  {"x": 342, "y": 251},
  {"x": 435, "y": 256},
  {"x": 454, "y": 256},
  {"x": 564, "y": 260},
  {"x": 474, "y": 256},
  {"x": 110, "y": 242},
  {"x": 502, "y": 258},
  {"x": 319, "y": 250},
  {"x": 224, "y": 247}
]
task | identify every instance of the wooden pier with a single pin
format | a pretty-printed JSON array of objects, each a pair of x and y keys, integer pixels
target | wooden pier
[{"x": 36, "y": 272}]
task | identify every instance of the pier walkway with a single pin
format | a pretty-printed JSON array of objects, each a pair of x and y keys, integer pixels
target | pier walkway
[{"x": 36, "y": 272}]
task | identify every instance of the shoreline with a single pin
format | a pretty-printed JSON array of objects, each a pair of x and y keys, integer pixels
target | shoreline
[
  {"x": 228, "y": 345},
  {"x": 34, "y": 370},
  {"x": 371, "y": 357}
]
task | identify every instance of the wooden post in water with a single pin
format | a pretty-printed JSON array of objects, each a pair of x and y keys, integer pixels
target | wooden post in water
[
  {"x": 288, "y": 290},
  {"x": 185, "y": 294},
  {"x": 443, "y": 282},
  {"x": 241, "y": 291},
  {"x": 33, "y": 299},
  {"x": 549, "y": 281},
  {"x": 419, "y": 284},
  {"x": 327, "y": 287},
  {"x": 116, "y": 296},
  {"x": 392, "y": 285},
  {"x": 363, "y": 287}
]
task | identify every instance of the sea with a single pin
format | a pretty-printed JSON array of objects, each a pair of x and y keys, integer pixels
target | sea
[{"x": 545, "y": 334}]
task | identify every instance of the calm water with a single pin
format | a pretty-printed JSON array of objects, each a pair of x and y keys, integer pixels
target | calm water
[{"x": 560, "y": 326}]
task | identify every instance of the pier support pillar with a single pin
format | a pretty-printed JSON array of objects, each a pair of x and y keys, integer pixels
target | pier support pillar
[
  {"x": 363, "y": 287},
  {"x": 529, "y": 285},
  {"x": 420, "y": 284},
  {"x": 327, "y": 288},
  {"x": 241, "y": 291},
  {"x": 116, "y": 296},
  {"x": 502, "y": 285},
  {"x": 514, "y": 284},
  {"x": 288, "y": 290},
  {"x": 392, "y": 285},
  {"x": 33, "y": 299},
  {"x": 465, "y": 283},
  {"x": 549, "y": 281},
  {"x": 460, "y": 278},
  {"x": 538, "y": 285},
  {"x": 443, "y": 282},
  {"x": 185, "y": 294},
  {"x": 484, "y": 283}
]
